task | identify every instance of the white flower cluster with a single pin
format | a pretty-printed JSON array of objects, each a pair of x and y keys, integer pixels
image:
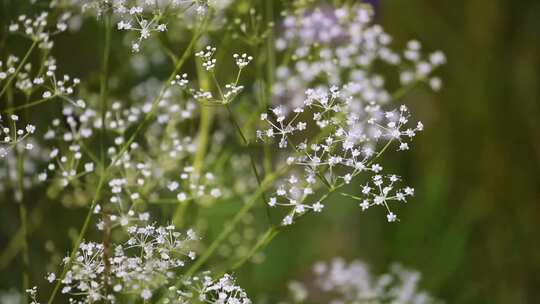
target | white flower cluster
[
  {"x": 12, "y": 136},
  {"x": 351, "y": 143},
  {"x": 38, "y": 30},
  {"x": 339, "y": 282},
  {"x": 134, "y": 20},
  {"x": 146, "y": 262},
  {"x": 381, "y": 194},
  {"x": 242, "y": 60},
  {"x": 143, "y": 17},
  {"x": 205, "y": 289},
  {"x": 341, "y": 47}
]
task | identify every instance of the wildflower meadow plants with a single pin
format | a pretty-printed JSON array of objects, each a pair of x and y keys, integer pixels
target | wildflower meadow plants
[{"x": 298, "y": 106}]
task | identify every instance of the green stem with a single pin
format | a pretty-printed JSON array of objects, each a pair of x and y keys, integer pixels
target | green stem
[
  {"x": 251, "y": 158},
  {"x": 16, "y": 243},
  {"x": 21, "y": 64},
  {"x": 23, "y": 215},
  {"x": 205, "y": 124},
  {"x": 103, "y": 100},
  {"x": 397, "y": 95},
  {"x": 28, "y": 105},
  {"x": 261, "y": 243},
  {"x": 103, "y": 92},
  {"x": 229, "y": 227},
  {"x": 270, "y": 65},
  {"x": 79, "y": 239},
  {"x": 271, "y": 232},
  {"x": 158, "y": 98}
]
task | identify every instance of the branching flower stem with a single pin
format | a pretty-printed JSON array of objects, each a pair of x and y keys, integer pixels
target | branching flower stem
[
  {"x": 107, "y": 171},
  {"x": 266, "y": 184},
  {"x": 19, "y": 67},
  {"x": 23, "y": 212},
  {"x": 271, "y": 232}
]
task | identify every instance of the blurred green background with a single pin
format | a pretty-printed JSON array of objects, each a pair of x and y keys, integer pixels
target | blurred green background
[{"x": 472, "y": 229}]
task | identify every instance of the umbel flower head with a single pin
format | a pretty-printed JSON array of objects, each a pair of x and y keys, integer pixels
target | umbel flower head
[
  {"x": 336, "y": 89},
  {"x": 144, "y": 18},
  {"x": 353, "y": 139}
]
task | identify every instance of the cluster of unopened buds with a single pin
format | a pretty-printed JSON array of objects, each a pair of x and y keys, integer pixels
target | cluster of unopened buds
[
  {"x": 242, "y": 60},
  {"x": 207, "y": 57}
]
